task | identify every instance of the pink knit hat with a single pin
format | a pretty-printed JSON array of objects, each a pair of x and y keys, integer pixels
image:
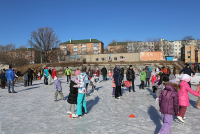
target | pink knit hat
[
  {"x": 186, "y": 77},
  {"x": 55, "y": 78},
  {"x": 46, "y": 67}
]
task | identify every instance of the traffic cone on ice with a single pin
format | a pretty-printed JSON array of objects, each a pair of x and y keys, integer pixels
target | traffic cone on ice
[
  {"x": 132, "y": 116},
  {"x": 70, "y": 116}
]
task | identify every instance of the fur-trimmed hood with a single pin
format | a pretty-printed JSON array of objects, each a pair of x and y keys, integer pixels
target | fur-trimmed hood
[{"x": 173, "y": 84}]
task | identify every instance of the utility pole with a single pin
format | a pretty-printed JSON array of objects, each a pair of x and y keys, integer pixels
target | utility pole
[{"x": 31, "y": 52}]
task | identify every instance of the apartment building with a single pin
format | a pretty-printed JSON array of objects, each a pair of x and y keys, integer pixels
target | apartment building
[
  {"x": 78, "y": 47},
  {"x": 188, "y": 53},
  {"x": 25, "y": 53},
  {"x": 117, "y": 47}
]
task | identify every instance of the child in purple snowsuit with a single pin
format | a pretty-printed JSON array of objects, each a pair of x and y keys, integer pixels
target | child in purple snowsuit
[{"x": 169, "y": 103}]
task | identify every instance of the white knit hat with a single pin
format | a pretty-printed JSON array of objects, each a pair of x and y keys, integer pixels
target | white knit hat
[{"x": 186, "y": 78}]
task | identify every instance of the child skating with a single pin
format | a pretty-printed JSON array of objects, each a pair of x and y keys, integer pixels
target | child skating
[
  {"x": 25, "y": 77},
  {"x": 58, "y": 88},
  {"x": 198, "y": 102},
  {"x": 72, "y": 98},
  {"x": 49, "y": 79},
  {"x": 81, "y": 95},
  {"x": 169, "y": 103},
  {"x": 93, "y": 82},
  {"x": 184, "y": 97},
  {"x": 114, "y": 87}
]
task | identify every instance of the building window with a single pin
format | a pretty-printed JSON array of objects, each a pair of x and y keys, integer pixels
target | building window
[
  {"x": 175, "y": 49},
  {"x": 115, "y": 58},
  {"x": 97, "y": 59},
  {"x": 102, "y": 59},
  {"x": 175, "y": 45},
  {"x": 188, "y": 52}
]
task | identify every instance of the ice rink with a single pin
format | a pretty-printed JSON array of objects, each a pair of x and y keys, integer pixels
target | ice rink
[{"x": 33, "y": 111}]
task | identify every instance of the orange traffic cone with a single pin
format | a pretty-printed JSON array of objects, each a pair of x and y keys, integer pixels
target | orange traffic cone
[
  {"x": 70, "y": 116},
  {"x": 132, "y": 116}
]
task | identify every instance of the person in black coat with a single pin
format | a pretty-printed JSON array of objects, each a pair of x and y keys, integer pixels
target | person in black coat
[
  {"x": 73, "y": 94},
  {"x": 187, "y": 70},
  {"x": 163, "y": 77},
  {"x": 30, "y": 76},
  {"x": 118, "y": 81},
  {"x": 104, "y": 72},
  {"x": 3, "y": 79},
  {"x": 130, "y": 76}
]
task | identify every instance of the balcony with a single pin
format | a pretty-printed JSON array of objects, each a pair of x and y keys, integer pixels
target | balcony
[{"x": 96, "y": 48}]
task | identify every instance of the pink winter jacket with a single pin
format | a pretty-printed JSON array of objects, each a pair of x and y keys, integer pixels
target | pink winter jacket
[{"x": 183, "y": 94}]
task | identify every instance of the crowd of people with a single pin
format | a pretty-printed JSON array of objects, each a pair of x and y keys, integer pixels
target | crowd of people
[{"x": 172, "y": 96}]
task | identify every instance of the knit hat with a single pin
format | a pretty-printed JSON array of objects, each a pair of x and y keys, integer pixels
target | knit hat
[
  {"x": 130, "y": 66},
  {"x": 75, "y": 80},
  {"x": 46, "y": 67},
  {"x": 55, "y": 78},
  {"x": 186, "y": 77},
  {"x": 172, "y": 79}
]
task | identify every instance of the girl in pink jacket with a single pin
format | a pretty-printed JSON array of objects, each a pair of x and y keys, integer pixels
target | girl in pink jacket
[
  {"x": 198, "y": 102},
  {"x": 184, "y": 97}
]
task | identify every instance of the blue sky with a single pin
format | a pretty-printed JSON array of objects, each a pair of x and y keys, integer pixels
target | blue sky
[{"x": 105, "y": 20}]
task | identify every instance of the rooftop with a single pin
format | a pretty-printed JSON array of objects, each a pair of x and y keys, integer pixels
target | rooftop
[
  {"x": 81, "y": 41},
  {"x": 118, "y": 43}
]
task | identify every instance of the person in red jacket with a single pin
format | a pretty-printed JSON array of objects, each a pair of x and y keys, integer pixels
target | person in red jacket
[{"x": 54, "y": 73}]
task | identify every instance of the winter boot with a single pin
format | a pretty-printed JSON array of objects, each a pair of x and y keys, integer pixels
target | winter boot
[{"x": 180, "y": 119}]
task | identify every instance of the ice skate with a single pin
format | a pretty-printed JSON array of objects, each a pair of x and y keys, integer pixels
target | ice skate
[
  {"x": 68, "y": 112},
  {"x": 180, "y": 119},
  {"x": 74, "y": 116}
]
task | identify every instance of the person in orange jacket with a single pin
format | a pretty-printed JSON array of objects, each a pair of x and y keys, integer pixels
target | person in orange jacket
[{"x": 164, "y": 70}]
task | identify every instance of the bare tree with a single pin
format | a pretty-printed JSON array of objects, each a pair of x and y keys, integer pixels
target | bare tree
[
  {"x": 43, "y": 40},
  {"x": 189, "y": 37}
]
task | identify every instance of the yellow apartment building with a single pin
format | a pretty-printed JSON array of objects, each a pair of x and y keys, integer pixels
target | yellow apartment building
[
  {"x": 79, "y": 47},
  {"x": 187, "y": 53}
]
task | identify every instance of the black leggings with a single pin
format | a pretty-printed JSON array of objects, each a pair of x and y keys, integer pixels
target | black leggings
[{"x": 118, "y": 90}]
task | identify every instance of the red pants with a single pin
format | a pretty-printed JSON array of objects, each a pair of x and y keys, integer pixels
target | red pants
[
  {"x": 182, "y": 110},
  {"x": 39, "y": 77}
]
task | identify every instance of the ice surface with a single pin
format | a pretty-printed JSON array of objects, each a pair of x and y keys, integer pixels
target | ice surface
[{"x": 33, "y": 111}]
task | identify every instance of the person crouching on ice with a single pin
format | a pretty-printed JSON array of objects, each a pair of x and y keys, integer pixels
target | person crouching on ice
[
  {"x": 169, "y": 103},
  {"x": 81, "y": 95}
]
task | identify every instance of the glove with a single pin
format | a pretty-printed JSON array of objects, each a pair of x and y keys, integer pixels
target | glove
[{"x": 176, "y": 114}]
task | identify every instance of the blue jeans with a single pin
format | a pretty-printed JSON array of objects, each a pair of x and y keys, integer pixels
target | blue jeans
[
  {"x": 80, "y": 102},
  {"x": 12, "y": 85},
  {"x": 45, "y": 79},
  {"x": 104, "y": 77}
]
